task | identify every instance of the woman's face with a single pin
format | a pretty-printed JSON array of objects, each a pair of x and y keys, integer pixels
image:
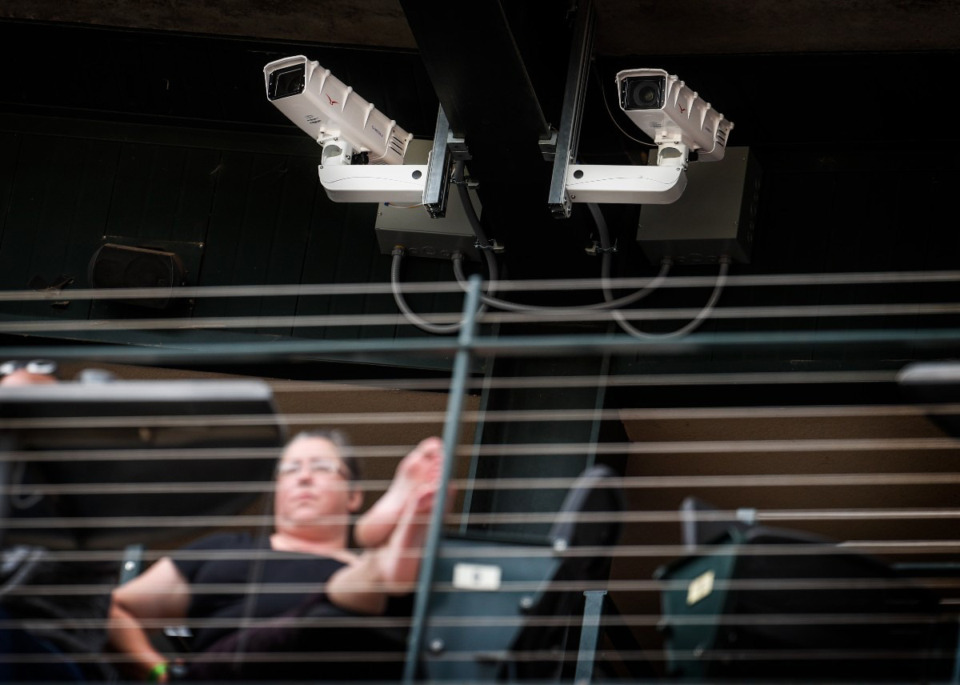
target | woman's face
[{"x": 314, "y": 487}]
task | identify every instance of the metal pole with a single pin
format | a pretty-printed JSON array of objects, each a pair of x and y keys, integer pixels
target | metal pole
[
  {"x": 568, "y": 137},
  {"x": 589, "y": 635},
  {"x": 956, "y": 664},
  {"x": 599, "y": 403},
  {"x": 438, "y": 170},
  {"x": 451, "y": 437}
]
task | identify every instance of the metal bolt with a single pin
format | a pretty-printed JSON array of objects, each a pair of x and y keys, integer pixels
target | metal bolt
[
  {"x": 436, "y": 645},
  {"x": 526, "y": 603}
]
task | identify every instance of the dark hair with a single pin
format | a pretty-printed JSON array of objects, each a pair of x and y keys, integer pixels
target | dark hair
[{"x": 340, "y": 441}]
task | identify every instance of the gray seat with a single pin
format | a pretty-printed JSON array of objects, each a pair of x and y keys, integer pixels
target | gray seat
[{"x": 507, "y": 609}]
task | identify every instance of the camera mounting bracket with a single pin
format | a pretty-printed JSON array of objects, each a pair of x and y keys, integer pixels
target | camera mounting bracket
[
  {"x": 401, "y": 183},
  {"x": 624, "y": 184},
  {"x": 346, "y": 182}
]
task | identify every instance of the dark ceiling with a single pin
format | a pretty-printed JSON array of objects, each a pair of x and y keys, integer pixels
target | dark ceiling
[{"x": 625, "y": 26}]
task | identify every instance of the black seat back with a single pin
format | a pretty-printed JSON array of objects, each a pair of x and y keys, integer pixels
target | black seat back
[{"x": 507, "y": 609}]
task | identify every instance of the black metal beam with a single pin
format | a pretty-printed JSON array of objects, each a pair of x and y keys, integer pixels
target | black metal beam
[
  {"x": 568, "y": 137},
  {"x": 483, "y": 85}
]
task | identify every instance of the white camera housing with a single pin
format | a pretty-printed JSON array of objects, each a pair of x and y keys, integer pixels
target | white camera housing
[
  {"x": 677, "y": 120},
  {"x": 327, "y": 110},
  {"x": 672, "y": 114},
  {"x": 343, "y": 124}
]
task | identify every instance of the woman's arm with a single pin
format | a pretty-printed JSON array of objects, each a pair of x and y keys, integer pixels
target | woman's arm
[
  {"x": 391, "y": 569},
  {"x": 161, "y": 592},
  {"x": 422, "y": 466}
]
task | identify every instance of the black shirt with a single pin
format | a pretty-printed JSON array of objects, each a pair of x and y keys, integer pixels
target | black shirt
[{"x": 234, "y": 576}]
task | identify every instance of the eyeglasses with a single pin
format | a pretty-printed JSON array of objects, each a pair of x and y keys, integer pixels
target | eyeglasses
[
  {"x": 45, "y": 367},
  {"x": 323, "y": 466}
]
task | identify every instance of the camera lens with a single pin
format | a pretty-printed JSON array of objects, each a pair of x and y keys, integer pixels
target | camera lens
[
  {"x": 287, "y": 82},
  {"x": 642, "y": 92}
]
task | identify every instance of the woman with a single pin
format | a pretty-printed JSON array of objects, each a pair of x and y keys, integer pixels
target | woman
[{"x": 315, "y": 498}]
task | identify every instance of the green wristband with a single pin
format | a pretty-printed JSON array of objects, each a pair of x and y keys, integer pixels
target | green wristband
[{"x": 157, "y": 672}]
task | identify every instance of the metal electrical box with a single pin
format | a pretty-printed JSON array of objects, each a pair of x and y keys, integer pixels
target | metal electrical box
[
  {"x": 715, "y": 216},
  {"x": 418, "y": 233}
]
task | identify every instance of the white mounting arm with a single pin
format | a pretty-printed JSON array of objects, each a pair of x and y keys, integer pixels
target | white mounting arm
[
  {"x": 628, "y": 184},
  {"x": 345, "y": 182}
]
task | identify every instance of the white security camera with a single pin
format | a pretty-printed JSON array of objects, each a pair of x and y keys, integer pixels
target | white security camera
[
  {"x": 328, "y": 109},
  {"x": 345, "y": 125},
  {"x": 674, "y": 116},
  {"x": 677, "y": 120}
]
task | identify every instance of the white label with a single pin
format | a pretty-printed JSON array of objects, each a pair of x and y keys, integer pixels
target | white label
[
  {"x": 700, "y": 587},
  {"x": 476, "y": 577}
]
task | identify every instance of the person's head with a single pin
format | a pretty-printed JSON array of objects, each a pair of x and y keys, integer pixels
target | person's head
[
  {"x": 316, "y": 485},
  {"x": 32, "y": 372}
]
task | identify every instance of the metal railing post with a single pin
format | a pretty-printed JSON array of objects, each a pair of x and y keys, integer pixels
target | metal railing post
[
  {"x": 451, "y": 438},
  {"x": 589, "y": 636}
]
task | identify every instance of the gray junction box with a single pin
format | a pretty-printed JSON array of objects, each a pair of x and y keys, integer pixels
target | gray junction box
[
  {"x": 715, "y": 216},
  {"x": 421, "y": 236}
]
